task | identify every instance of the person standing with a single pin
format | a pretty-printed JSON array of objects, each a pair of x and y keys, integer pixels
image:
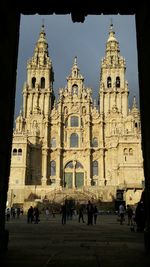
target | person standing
[
  {"x": 30, "y": 215},
  {"x": 89, "y": 213},
  {"x": 81, "y": 213},
  {"x": 129, "y": 212},
  {"x": 140, "y": 216},
  {"x": 121, "y": 213},
  {"x": 36, "y": 215},
  {"x": 8, "y": 214},
  {"x": 47, "y": 213},
  {"x": 95, "y": 212},
  {"x": 63, "y": 211}
]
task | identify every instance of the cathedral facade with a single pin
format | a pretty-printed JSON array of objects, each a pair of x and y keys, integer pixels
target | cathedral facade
[{"x": 73, "y": 145}]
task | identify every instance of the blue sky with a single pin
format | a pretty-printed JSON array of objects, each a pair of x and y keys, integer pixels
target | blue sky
[{"x": 85, "y": 40}]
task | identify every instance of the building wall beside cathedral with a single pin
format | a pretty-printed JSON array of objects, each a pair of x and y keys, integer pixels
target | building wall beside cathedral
[{"x": 72, "y": 144}]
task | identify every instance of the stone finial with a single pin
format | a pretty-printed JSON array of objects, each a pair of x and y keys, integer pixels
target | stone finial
[
  {"x": 75, "y": 60},
  {"x": 134, "y": 102}
]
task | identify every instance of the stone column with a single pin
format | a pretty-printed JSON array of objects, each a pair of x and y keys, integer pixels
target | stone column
[
  {"x": 101, "y": 168},
  {"x": 45, "y": 153},
  {"x": 24, "y": 104},
  {"x": 88, "y": 159},
  {"x": 44, "y": 167},
  {"x": 102, "y": 151},
  {"x": 58, "y": 169},
  {"x": 73, "y": 174}
]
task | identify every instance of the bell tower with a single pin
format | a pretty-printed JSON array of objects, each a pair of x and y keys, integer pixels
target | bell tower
[
  {"x": 113, "y": 86},
  {"x": 38, "y": 90}
]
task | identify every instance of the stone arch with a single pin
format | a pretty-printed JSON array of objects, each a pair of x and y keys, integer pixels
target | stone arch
[{"x": 74, "y": 174}]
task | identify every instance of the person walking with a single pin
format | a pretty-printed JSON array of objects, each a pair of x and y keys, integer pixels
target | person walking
[{"x": 95, "y": 213}]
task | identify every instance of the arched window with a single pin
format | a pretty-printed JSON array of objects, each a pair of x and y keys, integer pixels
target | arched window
[
  {"x": 53, "y": 142},
  {"x": 33, "y": 82},
  {"x": 42, "y": 82},
  {"x": 74, "y": 121},
  {"x": 109, "y": 82},
  {"x": 125, "y": 151},
  {"x": 95, "y": 142},
  {"x": 65, "y": 110},
  {"x": 74, "y": 89},
  {"x": 130, "y": 151},
  {"x": 74, "y": 140},
  {"x": 69, "y": 165},
  {"x": 79, "y": 165},
  {"x": 19, "y": 152},
  {"x": 53, "y": 168},
  {"x": 95, "y": 168},
  {"x": 14, "y": 152},
  {"x": 118, "y": 82}
]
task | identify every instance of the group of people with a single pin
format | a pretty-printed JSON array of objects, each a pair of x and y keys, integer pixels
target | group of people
[
  {"x": 13, "y": 212},
  {"x": 33, "y": 215},
  {"x": 135, "y": 219},
  {"x": 90, "y": 209}
]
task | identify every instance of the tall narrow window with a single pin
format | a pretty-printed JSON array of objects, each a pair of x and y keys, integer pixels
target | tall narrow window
[
  {"x": 125, "y": 151},
  {"x": 118, "y": 82},
  {"x": 109, "y": 82},
  {"x": 74, "y": 121},
  {"x": 74, "y": 140},
  {"x": 42, "y": 82},
  {"x": 19, "y": 152},
  {"x": 33, "y": 82},
  {"x": 130, "y": 151},
  {"x": 53, "y": 168},
  {"x": 95, "y": 168},
  {"x": 95, "y": 142},
  {"x": 53, "y": 142},
  {"x": 14, "y": 152}
]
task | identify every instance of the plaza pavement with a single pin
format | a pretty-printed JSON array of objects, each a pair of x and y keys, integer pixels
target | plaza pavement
[{"x": 50, "y": 244}]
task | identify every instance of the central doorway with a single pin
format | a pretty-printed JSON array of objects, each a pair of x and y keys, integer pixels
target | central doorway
[{"x": 73, "y": 175}]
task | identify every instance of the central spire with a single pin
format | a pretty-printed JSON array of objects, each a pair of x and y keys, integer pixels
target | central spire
[
  {"x": 75, "y": 69},
  {"x": 111, "y": 34},
  {"x": 41, "y": 56},
  {"x": 42, "y": 38},
  {"x": 112, "y": 45}
]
